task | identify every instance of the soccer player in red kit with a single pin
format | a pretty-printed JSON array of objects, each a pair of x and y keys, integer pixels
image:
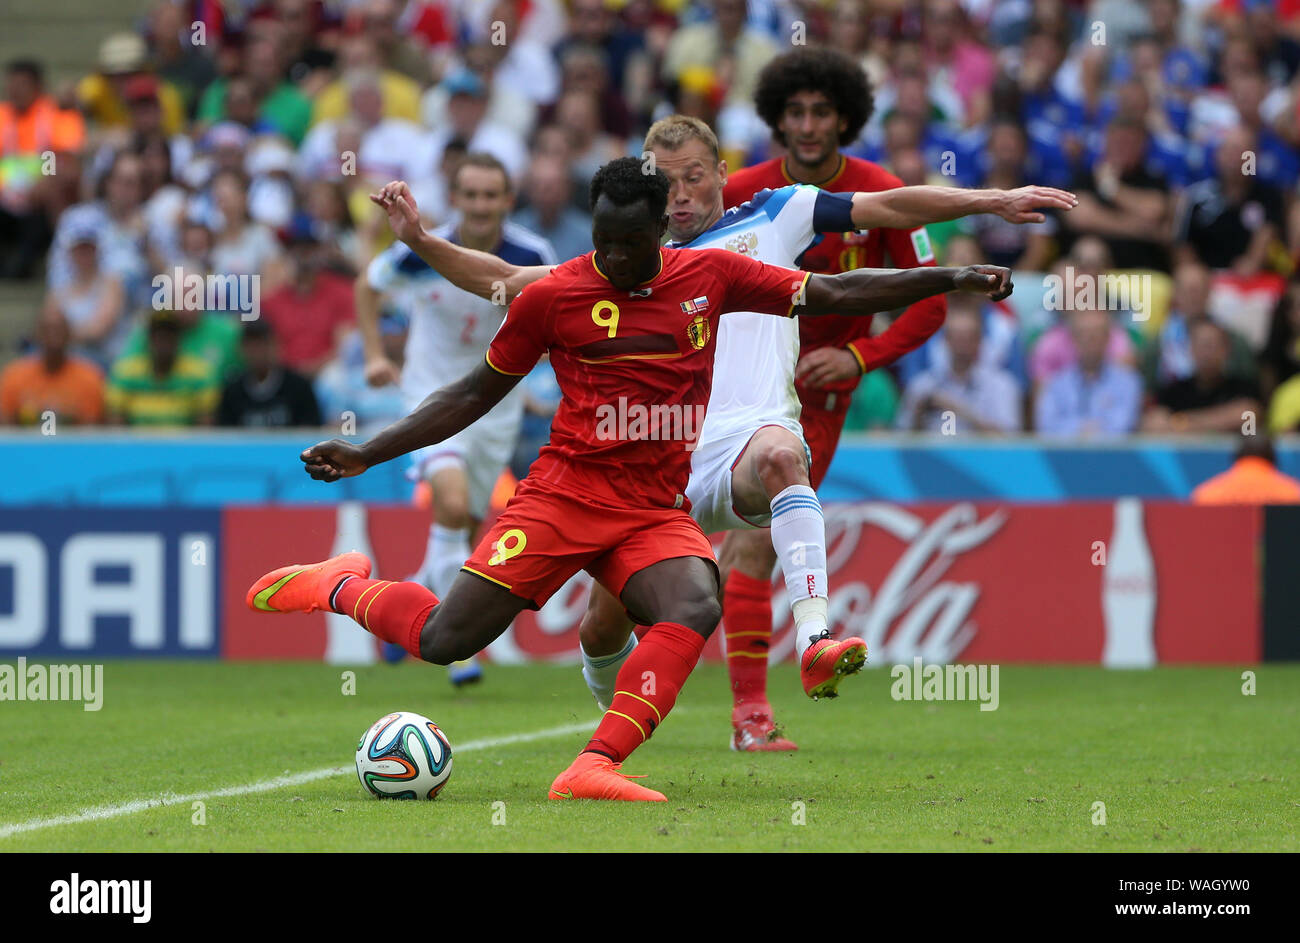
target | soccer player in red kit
[
  {"x": 631, "y": 324},
  {"x": 815, "y": 100}
]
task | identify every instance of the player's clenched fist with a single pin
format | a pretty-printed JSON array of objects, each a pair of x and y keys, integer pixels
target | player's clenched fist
[
  {"x": 332, "y": 460},
  {"x": 991, "y": 280}
]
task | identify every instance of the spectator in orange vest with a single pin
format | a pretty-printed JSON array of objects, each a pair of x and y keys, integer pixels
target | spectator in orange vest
[
  {"x": 1252, "y": 479},
  {"x": 35, "y": 136}
]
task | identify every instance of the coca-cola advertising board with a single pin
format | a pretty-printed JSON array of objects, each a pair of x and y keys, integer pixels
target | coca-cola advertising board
[{"x": 1123, "y": 583}]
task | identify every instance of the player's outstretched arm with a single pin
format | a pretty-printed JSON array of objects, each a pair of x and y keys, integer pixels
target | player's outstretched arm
[
  {"x": 480, "y": 273},
  {"x": 868, "y": 291},
  {"x": 442, "y": 414},
  {"x": 909, "y": 207}
]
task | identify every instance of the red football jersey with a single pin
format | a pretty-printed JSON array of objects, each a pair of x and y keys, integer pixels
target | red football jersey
[
  {"x": 842, "y": 252},
  {"x": 635, "y": 367}
]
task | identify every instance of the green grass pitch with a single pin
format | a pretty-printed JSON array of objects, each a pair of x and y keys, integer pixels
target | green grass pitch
[{"x": 1181, "y": 758}]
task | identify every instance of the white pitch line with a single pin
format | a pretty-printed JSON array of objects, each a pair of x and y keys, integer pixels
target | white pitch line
[{"x": 100, "y": 813}]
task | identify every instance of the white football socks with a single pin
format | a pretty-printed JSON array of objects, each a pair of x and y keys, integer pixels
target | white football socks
[
  {"x": 601, "y": 672},
  {"x": 444, "y": 555},
  {"x": 799, "y": 538}
]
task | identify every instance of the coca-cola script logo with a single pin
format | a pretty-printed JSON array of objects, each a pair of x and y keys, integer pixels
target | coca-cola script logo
[{"x": 914, "y": 612}]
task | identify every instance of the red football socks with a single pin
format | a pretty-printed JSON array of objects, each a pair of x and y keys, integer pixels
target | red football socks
[
  {"x": 747, "y": 624},
  {"x": 395, "y": 612},
  {"x": 646, "y": 689}
]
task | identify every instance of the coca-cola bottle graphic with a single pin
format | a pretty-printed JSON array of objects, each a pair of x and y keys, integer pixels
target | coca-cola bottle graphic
[
  {"x": 1128, "y": 593},
  {"x": 346, "y": 643}
]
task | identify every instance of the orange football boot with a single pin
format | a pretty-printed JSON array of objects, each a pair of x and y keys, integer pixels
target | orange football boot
[
  {"x": 827, "y": 662},
  {"x": 753, "y": 730},
  {"x": 595, "y": 776},
  {"x": 305, "y": 587}
]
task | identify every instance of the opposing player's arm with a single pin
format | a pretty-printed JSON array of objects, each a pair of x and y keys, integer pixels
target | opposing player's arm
[
  {"x": 480, "y": 273},
  {"x": 521, "y": 340},
  {"x": 867, "y": 291},
  {"x": 380, "y": 371},
  {"x": 909, "y": 207},
  {"x": 366, "y": 301},
  {"x": 442, "y": 414},
  {"x": 524, "y": 336}
]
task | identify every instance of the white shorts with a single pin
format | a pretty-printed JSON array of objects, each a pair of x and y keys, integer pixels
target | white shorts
[
  {"x": 709, "y": 489},
  {"x": 483, "y": 451}
]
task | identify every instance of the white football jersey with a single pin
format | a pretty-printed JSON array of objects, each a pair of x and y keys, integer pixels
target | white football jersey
[
  {"x": 753, "y": 366},
  {"x": 450, "y": 329}
]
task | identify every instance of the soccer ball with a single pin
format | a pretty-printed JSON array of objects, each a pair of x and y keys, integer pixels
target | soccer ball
[{"x": 404, "y": 756}]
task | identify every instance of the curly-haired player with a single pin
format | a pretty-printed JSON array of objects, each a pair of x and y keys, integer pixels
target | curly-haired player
[{"x": 815, "y": 101}]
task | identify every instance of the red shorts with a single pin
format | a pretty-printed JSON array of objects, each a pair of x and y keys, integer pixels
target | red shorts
[
  {"x": 821, "y": 430},
  {"x": 543, "y": 537}
]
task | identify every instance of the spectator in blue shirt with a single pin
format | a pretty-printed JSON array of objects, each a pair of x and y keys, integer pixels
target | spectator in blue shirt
[
  {"x": 1003, "y": 164},
  {"x": 1053, "y": 121},
  {"x": 1168, "y": 152},
  {"x": 593, "y": 23},
  {"x": 1095, "y": 397},
  {"x": 1170, "y": 358},
  {"x": 910, "y": 118},
  {"x": 548, "y": 188},
  {"x": 1276, "y": 163},
  {"x": 1160, "y": 55},
  {"x": 963, "y": 394},
  {"x": 1000, "y": 344}
]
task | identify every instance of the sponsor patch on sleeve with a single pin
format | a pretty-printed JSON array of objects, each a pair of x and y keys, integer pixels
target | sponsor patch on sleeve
[{"x": 921, "y": 243}]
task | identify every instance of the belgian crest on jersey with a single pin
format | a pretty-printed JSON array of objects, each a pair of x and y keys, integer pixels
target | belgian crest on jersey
[
  {"x": 745, "y": 243},
  {"x": 698, "y": 330}
]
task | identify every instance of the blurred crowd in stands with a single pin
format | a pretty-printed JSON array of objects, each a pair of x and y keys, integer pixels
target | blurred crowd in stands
[{"x": 241, "y": 139}]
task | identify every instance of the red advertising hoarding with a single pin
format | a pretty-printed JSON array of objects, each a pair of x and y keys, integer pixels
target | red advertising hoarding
[{"x": 1119, "y": 583}]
